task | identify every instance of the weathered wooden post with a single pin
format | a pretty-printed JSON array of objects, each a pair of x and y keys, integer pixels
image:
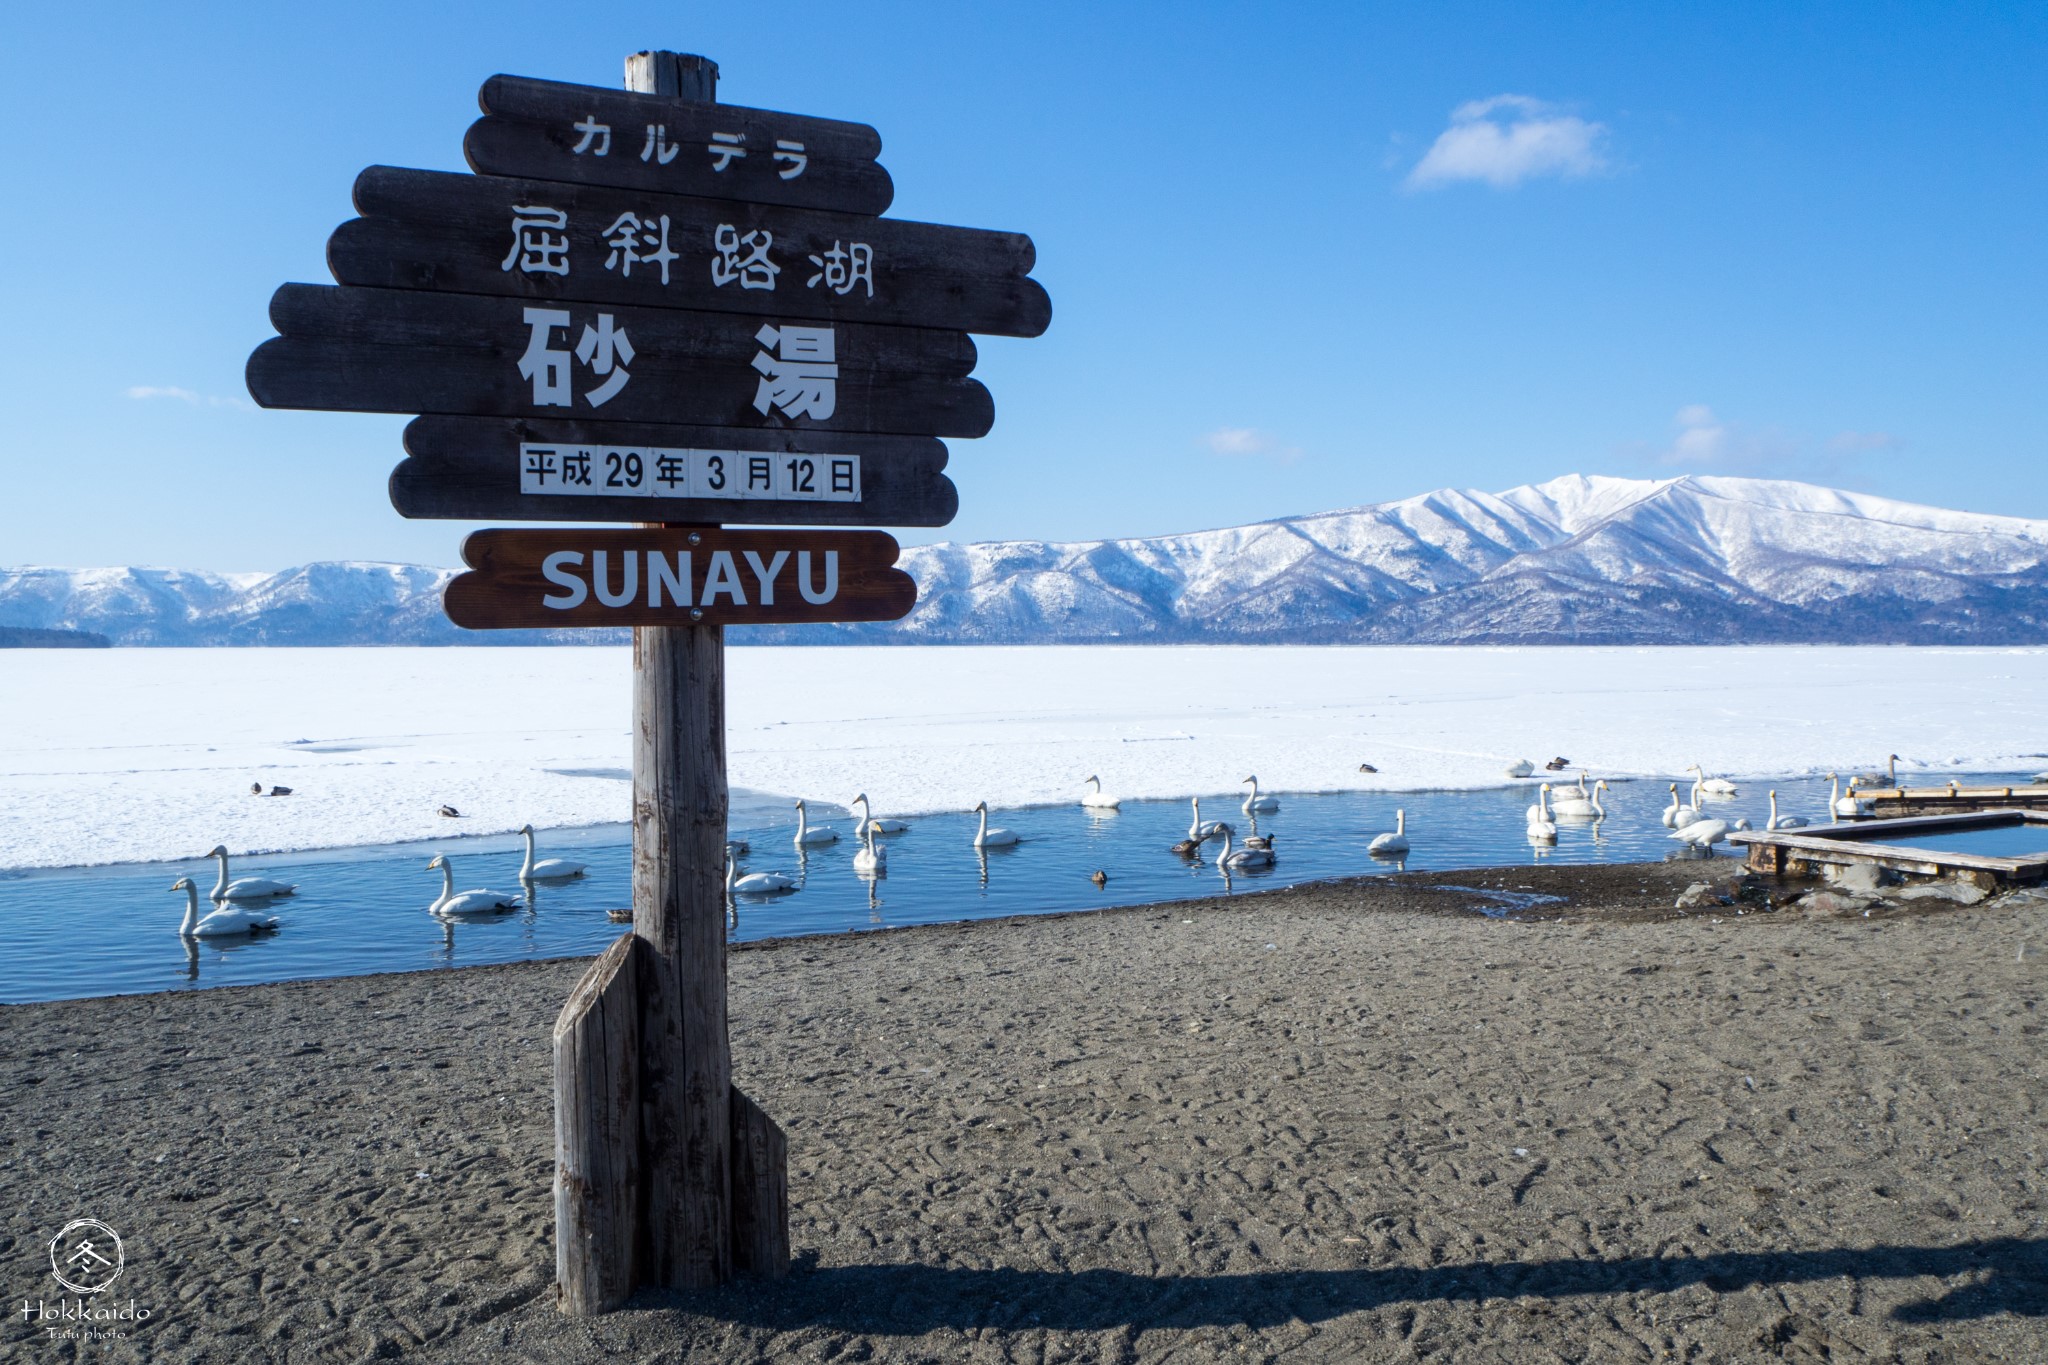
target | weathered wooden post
[
  {"x": 592, "y": 329},
  {"x": 679, "y": 817}
]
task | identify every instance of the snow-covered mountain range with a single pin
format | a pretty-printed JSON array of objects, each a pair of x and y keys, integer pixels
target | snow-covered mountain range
[{"x": 1690, "y": 560}]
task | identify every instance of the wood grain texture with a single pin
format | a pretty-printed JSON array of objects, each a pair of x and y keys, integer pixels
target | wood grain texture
[
  {"x": 679, "y": 75},
  {"x": 679, "y": 817},
  {"x": 760, "y": 1191},
  {"x": 434, "y": 230},
  {"x": 529, "y": 129},
  {"x": 467, "y": 469},
  {"x": 508, "y": 587},
  {"x": 598, "y": 1189},
  {"x": 359, "y": 350}
]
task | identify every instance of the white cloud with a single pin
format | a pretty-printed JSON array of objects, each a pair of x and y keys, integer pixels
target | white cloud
[
  {"x": 1508, "y": 139},
  {"x": 1249, "y": 441},
  {"x": 1707, "y": 443},
  {"x": 145, "y": 392}
]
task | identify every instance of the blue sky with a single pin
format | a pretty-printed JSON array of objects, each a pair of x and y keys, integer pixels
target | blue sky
[{"x": 1301, "y": 257}]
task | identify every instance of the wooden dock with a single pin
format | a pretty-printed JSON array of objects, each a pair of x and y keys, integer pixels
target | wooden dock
[
  {"x": 1887, "y": 803},
  {"x": 1804, "y": 851}
]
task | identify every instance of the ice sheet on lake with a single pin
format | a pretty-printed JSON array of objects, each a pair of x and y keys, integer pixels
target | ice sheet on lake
[{"x": 139, "y": 755}]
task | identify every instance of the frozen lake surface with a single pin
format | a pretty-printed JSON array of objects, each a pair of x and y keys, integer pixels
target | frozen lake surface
[
  {"x": 141, "y": 755},
  {"x": 107, "y": 930}
]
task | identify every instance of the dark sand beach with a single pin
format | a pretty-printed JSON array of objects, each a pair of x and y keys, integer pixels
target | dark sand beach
[{"x": 1345, "y": 1122}]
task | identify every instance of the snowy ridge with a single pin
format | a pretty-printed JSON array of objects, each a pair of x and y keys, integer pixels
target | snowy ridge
[{"x": 1580, "y": 559}]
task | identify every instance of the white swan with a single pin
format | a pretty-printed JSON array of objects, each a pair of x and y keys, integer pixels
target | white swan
[
  {"x": 225, "y": 922},
  {"x": 1712, "y": 786},
  {"x": 1521, "y": 767},
  {"x": 991, "y": 838},
  {"x": 1702, "y": 833},
  {"x": 869, "y": 824},
  {"x": 1243, "y": 857},
  {"x": 547, "y": 869},
  {"x": 1778, "y": 821},
  {"x": 870, "y": 858},
  {"x": 1256, "y": 802},
  {"x": 755, "y": 883},
  {"x": 1577, "y": 803},
  {"x": 1542, "y": 828},
  {"x": 1095, "y": 798},
  {"x": 1677, "y": 814},
  {"x": 806, "y": 835},
  {"x": 1839, "y": 805},
  {"x": 244, "y": 888},
  {"x": 1392, "y": 845},
  {"x": 1201, "y": 829},
  {"x": 477, "y": 902}
]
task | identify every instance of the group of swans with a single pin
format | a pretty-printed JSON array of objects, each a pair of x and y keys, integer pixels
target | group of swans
[
  {"x": 231, "y": 918},
  {"x": 1255, "y": 802},
  {"x": 871, "y": 859},
  {"x": 1845, "y": 805},
  {"x": 485, "y": 901},
  {"x": 225, "y": 921},
  {"x": 227, "y": 918}
]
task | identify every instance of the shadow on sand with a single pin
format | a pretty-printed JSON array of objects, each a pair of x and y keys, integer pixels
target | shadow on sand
[{"x": 2005, "y": 1275}]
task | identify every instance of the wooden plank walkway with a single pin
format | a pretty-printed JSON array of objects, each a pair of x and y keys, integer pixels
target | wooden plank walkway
[{"x": 1892, "y": 802}]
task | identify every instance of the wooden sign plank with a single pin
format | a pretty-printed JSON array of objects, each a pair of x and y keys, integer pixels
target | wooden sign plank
[
  {"x": 588, "y": 135},
  {"x": 528, "y": 239},
  {"x": 480, "y": 324},
  {"x": 467, "y": 355},
  {"x": 546, "y": 577},
  {"x": 493, "y": 469}
]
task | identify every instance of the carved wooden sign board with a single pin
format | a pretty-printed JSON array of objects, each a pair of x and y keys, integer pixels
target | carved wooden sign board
[
  {"x": 653, "y": 308},
  {"x": 647, "y": 309}
]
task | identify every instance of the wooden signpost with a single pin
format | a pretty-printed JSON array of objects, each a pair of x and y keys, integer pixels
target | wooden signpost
[
  {"x": 556, "y": 470},
  {"x": 529, "y": 239},
  {"x": 586, "y": 134},
  {"x": 674, "y": 576},
  {"x": 653, "y": 308}
]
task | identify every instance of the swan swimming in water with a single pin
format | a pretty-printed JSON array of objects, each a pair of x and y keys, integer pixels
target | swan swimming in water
[
  {"x": 1677, "y": 816},
  {"x": 1778, "y": 821},
  {"x": 870, "y": 858},
  {"x": 225, "y": 922},
  {"x": 1542, "y": 828},
  {"x": 868, "y": 824},
  {"x": 547, "y": 869},
  {"x": 1576, "y": 803},
  {"x": 806, "y": 835},
  {"x": 1244, "y": 857},
  {"x": 1256, "y": 802},
  {"x": 1712, "y": 786},
  {"x": 244, "y": 888},
  {"x": 1200, "y": 829},
  {"x": 1095, "y": 798},
  {"x": 991, "y": 838},
  {"x": 1842, "y": 806},
  {"x": 755, "y": 883},
  {"x": 477, "y": 902},
  {"x": 1392, "y": 845}
]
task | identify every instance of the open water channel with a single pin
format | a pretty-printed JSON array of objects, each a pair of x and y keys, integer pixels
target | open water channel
[{"x": 112, "y": 930}]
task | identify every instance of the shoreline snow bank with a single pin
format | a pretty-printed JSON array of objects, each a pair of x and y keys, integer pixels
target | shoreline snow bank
[{"x": 139, "y": 755}]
